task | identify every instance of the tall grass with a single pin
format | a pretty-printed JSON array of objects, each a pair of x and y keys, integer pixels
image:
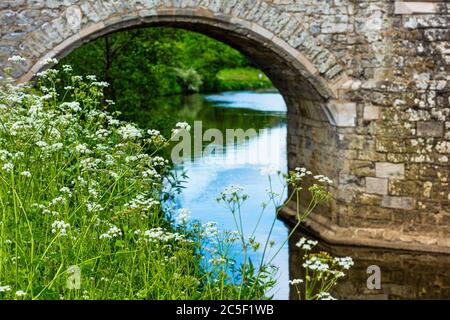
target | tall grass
[{"x": 83, "y": 211}]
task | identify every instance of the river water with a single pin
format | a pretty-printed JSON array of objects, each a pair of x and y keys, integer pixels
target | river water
[{"x": 404, "y": 275}]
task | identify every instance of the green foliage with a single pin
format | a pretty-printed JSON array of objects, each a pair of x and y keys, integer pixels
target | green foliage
[
  {"x": 189, "y": 80},
  {"x": 242, "y": 79},
  {"x": 143, "y": 64},
  {"x": 84, "y": 214},
  {"x": 82, "y": 205}
]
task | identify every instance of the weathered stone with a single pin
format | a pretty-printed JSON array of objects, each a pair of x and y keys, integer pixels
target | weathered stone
[
  {"x": 377, "y": 185},
  {"x": 343, "y": 113},
  {"x": 405, "y": 203},
  {"x": 408, "y": 7},
  {"x": 430, "y": 129},
  {"x": 371, "y": 113},
  {"x": 389, "y": 170}
]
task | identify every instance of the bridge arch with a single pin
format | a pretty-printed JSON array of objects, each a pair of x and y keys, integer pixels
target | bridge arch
[{"x": 297, "y": 77}]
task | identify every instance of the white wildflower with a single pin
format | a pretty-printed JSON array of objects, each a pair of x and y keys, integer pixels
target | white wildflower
[
  {"x": 5, "y": 288},
  {"x": 323, "y": 179},
  {"x": 183, "y": 215},
  {"x": 20, "y": 293},
  {"x": 67, "y": 68},
  {"x": 26, "y": 174},
  {"x": 49, "y": 61},
  {"x": 306, "y": 244},
  {"x": 295, "y": 282},
  {"x": 130, "y": 132},
  {"x": 113, "y": 232},
  {"x": 74, "y": 106},
  {"x": 325, "y": 296},
  {"x": 346, "y": 262},
  {"x": 8, "y": 167},
  {"x": 17, "y": 59},
  {"x": 180, "y": 127},
  {"x": 101, "y": 84},
  {"x": 153, "y": 132},
  {"x": 59, "y": 226},
  {"x": 82, "y": 148}
]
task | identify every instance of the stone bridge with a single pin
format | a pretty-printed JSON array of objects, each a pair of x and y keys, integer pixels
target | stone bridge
[{"x": 366, "y": 83}]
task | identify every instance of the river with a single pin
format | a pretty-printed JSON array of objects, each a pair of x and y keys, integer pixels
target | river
[{"x": 404, "y": 275}]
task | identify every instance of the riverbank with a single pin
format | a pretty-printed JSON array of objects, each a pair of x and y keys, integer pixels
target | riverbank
[
  {"x": 239, "y": 79},
  {"x": 82, "y": 206}
]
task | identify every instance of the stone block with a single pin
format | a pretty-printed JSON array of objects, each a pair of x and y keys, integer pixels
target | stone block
[
  {"x": 343, "y": 113},
  {"x": 415, "y": 7},
  {"x": 377, "y": 185},
  {"x": 390, "y": 170},
  {"x": 406, "y": 203},
  {"x": 430, "y": 128},
  {"x": 371, "y": 113}
]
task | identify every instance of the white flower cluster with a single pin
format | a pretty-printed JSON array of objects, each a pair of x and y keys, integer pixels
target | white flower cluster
[
  {"x": 217, "y": 261},
  {"x": 60, "y": 227},
  {"x": 151, "y": 173},
  {"x": 49, "y": 61},
  {"x": 180, "y": 127},
  {"x": 157, "y": 235},
  {"x": 306, "y": 244},
  {"x": 210, "y": 229},
  {"x": 101, "y": 84},
  {"x": 93, "y": 207},
  {"x": 143, "y": 202},
  {"x": 113, "y": 232},
  {"x": 153, "y": 132},
  {"x": 21, "y": 293},
  {"x": 17, "y": 59},
  {"x": 323, "y": 179},
  {"x": 82, "y": 149},
  {"x": 315, "y": 264},
  {"x": 73, "y": 106},
  {"x": 129, "y": 132},
  {"x": 345, "y": 262},
  {"x": 184, "y": 215},
  {"x": 232, "y": 190},
  {"x": 67, "y": 68},
  {"x": 295, "y": 282},
  {"x": 8, "y": 167},
  {"x": 158, "y": 161},
  {"x": 26, "y": 174},
  {"x": 325, "y": 296},
  {"x": 5, "y": 288},
  {"x": 301, "y": 173}
]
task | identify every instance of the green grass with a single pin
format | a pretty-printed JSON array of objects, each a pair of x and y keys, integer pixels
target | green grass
[
  {"x": 82, "y": 206},
  {"x": 242, "y": 79},
  {"x": 84, "y": 214}
]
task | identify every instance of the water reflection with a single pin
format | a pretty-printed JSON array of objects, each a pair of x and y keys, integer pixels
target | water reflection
[
  {"x": 404, "y": 275},
  {"x": 240, "y": 165}
]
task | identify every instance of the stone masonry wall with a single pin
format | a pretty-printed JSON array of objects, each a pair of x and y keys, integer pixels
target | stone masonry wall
[{"x": 366, "y": 83}]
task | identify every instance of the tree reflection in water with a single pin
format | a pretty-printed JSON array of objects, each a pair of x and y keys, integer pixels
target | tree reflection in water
[{"x": 404, "y": 275}]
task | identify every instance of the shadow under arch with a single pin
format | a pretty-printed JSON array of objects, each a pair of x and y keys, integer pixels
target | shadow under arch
[{"x": 296, "y": 78}]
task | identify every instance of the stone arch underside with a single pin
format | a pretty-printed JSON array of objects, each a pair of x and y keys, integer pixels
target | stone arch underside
[{"x": 296, "y": 77}]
